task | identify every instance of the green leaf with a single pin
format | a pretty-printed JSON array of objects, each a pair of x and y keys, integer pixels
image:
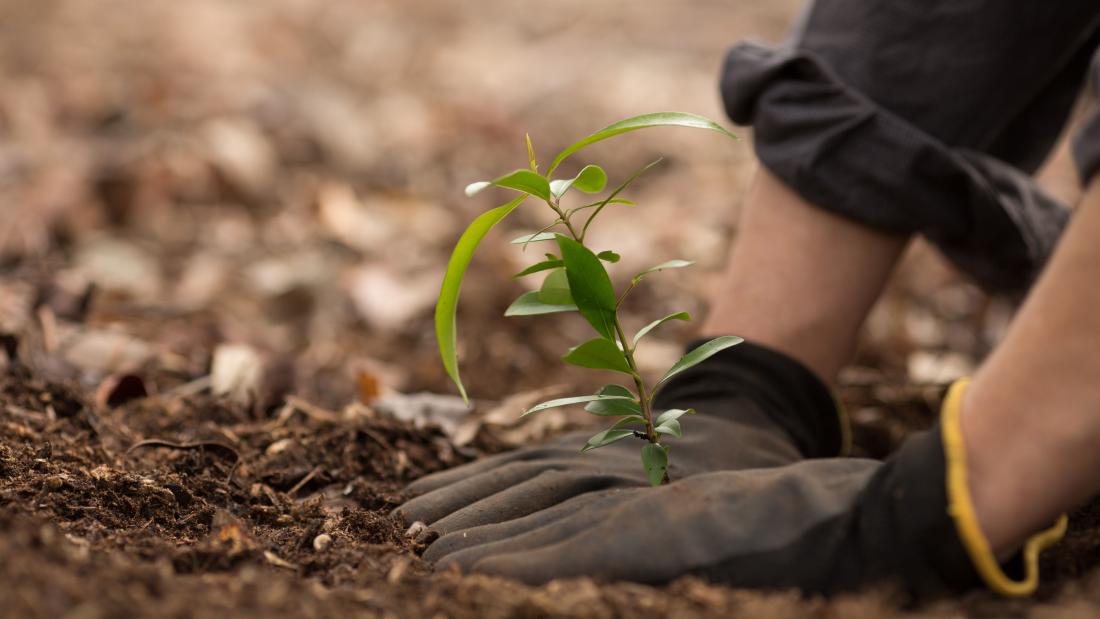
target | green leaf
[
  {"x": 698, "y": 355},
  {"x": 628, "y": 406},
  {"x": 655, "y": 461},
  {"x": 555, "y": 289},
  {"x": 610, "y": 199},
  {"x": 672, "y": 414},
  {"x": 671, "y": 264},
  {"x": 599, "y": 354},
  {"x": 528, "y": 304},
  {"x": 656, "y": 119},
  {"x": 534, "y": 238},
  {"x": 614, "y": 389},
  {"x": 545, "y": 265},
  {"x": 610, "y": 408},
  {"x": 446, "y": 307},
  {"x": 616, "y": 432},
  {"x": 606, "y": 438},
  {"x": 520, "y": 180},
  {"x": 671, "y": 428},
  {"x": 590, "y": 285},
  {"x": 609, "y": 256},
  {"x": 656, "y": 323},
  {"x": 579, "y": 399},
  {"x": 591, "y": 179},
  {"x": 531, "y": 152},
  {"x": 604, "y": 202}
]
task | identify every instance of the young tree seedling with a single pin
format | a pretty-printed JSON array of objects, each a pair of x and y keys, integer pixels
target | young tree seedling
[{"x": 576, "y": 281}]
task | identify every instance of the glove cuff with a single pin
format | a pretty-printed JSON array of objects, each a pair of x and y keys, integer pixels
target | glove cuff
[
  {"x": 791, "y": 395},
  {"x": 960, "y": 507}
]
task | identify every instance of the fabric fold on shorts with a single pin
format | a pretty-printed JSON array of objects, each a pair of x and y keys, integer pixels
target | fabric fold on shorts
[{"x": 841, "y": 151}]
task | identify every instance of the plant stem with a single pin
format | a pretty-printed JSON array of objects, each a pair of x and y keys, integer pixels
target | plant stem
[
  {"x": 628, "y": 350},
  {"x": 643, "y": 398},
  {"x": 557, "y": 209}
]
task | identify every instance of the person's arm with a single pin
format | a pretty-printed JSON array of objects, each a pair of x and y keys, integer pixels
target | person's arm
[
  {"x": 800, "y": 279},
  {"x": 1031, "y": 417}
]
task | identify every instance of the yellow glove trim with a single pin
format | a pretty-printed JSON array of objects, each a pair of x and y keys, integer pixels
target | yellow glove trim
[{"x": 961, "y": 508}]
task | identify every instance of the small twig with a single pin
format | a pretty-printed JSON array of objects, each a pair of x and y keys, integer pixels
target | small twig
[
  {"x": 305, "y": 480},
  {"x": 312, "y": 410},
  {"x": 156, "y": 442},
  {"x": 374, "y": 436},
  {"x": 48, "y": 323},
  {"x": 187, "y": 389}
]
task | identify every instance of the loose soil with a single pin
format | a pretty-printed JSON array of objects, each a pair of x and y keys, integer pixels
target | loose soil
[
  {"x": 262, "y": 193},
  {"x": 190, "y": 506}
]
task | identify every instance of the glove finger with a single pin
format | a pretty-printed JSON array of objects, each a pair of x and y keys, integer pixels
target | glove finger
[
  {"x": 466, "y": 548},
  {"x": 579, "y": 546},
  {"x": 539, "y": 565},
  {"x": 463, "y": 492},
  {"x": 741, "y": 527},
  {"x": 488, "y": 534},
  {"x": 546, "y": 489},
  {"x": 552, "y": 451}
]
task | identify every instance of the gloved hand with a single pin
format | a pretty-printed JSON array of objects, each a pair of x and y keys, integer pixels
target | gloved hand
[
  {"x": 757, "y": 408},
  {"x": 821, "y": 525}
]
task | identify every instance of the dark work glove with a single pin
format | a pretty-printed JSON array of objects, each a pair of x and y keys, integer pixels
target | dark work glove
[
  {"x": 757, "y": 408},
  {"x": 822, "y": 526}
]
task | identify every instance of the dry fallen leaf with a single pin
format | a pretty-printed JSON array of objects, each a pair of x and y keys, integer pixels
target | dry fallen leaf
[{"x": 236, "y": 372}]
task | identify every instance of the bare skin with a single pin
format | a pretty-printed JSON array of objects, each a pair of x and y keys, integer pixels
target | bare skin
[
  {"x": 800, "y": 279},
  {"x": 1031, "y": 417}
]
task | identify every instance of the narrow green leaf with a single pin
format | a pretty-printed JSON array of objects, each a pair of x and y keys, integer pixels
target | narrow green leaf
[
  {"x": 656, "y": 119},
  {"x": 599, "y": 354},
  {"x": 446, "y": 307},
  {"x": 671, "y": 264},
  {"x": 579, "y": 399},
  {"x": 655, "y": 461},
  {"x": 656, "y": 323},
  {"x": 590, "y": 285},
  {"x": 614, "y": 389},
  {"x": 591, "y": 179},
  {"x": 555, "y": 289},
  {"x": 673, "y": 413},
  {"x": 531, "y": 153},
  {"x": 604, "y": 202},
  {"x": 614, "y": 433},
  {"x": 698, "y": 355},
  {"x": 528, "y": 304},
  {"x": 520, "y": 180},
  {"x": 629, "y": 419},
  {"x": 606, "y": 438},
  {"x": 610, "y": 199},
  {"x": 609, "y": 256},
  {"x": 545, "y": 265},
  {"x": 534, "y": 238},
  {"x": 671, "y": 428},
  {"x": 610, "y": 408}
]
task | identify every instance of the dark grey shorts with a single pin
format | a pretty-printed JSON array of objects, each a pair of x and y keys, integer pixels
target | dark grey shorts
[{"x": 927, "y": 116}]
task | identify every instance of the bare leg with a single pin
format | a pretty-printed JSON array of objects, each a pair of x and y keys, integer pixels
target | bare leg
[
  {"x": 1031, "y": 417},
  {"x": 801, "y": 280}
]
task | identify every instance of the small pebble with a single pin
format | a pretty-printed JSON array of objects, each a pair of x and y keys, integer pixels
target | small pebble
[
  {"x": 415, "y": 529},
  {"x": 322, "y": 541}
]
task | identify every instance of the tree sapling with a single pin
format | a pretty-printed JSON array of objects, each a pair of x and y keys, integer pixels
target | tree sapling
[{"x": 577, "y": 281}]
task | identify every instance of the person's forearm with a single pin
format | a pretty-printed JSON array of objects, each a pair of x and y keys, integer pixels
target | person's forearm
[
  {"x": 800, "y": 279},
  {"x": 1031, "y": 417}
]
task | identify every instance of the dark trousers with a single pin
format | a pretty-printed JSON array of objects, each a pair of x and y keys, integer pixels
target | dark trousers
[{"x": 927, "y": 116}]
